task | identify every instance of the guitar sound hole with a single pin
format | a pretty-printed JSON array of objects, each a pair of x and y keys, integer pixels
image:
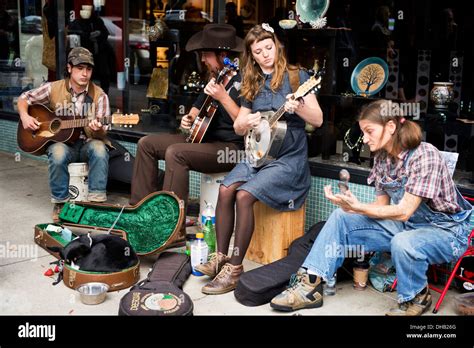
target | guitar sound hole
[{"x": 55, "y": 125}]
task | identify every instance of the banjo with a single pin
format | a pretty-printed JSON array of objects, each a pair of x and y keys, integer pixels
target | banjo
[
  {"x": 209, "y": 107},
  {"x": 263, "y": 143}
]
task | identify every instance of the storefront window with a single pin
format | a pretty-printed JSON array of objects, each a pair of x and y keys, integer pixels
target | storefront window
[
  {"x": 11, "y": 69},
  {"x": 141, "y": 61}
]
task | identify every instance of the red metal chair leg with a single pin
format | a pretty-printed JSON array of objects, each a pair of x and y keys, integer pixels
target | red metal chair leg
[
  {"x": 394, "y": 285},
  {"x": 446, "y": 287}
]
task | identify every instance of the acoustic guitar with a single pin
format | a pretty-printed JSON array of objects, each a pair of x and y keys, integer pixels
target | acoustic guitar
[
  {"x": 209, "y": 107},
  {"x": 60, "y": 129}
]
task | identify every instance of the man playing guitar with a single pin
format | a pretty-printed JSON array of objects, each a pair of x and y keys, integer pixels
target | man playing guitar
[
  {"x": 76, "y": 96},
  {"x": 215, "y": 43}
]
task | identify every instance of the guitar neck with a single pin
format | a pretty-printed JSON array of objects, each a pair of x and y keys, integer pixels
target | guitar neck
[
  {"x": 277, "y": 115},
  {"x": 83, "y": 122}
]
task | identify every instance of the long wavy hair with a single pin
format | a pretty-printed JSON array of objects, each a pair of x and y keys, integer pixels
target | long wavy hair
[{"x": 252, "y": 75}]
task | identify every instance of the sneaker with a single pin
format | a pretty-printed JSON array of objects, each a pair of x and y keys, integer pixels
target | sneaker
[
  {"x": 97, "y": 197},
  {"x": 214, "y": 265},
  {"x": 301, "y": 293},
  {"x": 419, "y": 305},
  {"x": 56, "y": 210},
  {"x": 225, "y": 281}
]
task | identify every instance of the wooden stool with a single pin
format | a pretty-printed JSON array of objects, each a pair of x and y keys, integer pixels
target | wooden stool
[{"x": 274, "y": 231}]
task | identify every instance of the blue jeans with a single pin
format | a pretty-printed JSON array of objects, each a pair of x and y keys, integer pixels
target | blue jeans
[
  {"x": 94, "y": 152},
  {"x": 413, "y": 249}
]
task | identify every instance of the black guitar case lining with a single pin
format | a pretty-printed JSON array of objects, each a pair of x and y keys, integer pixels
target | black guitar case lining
[
  {"x": 260, "y": 285},
  {"x": 161, "y": 294}
]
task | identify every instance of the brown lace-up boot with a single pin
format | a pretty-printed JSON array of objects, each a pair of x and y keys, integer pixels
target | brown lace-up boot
[
  {"x": 214, "y": 265},
  {"x": 225, "y": 281}
]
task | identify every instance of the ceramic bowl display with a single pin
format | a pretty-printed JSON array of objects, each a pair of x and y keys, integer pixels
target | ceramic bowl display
[
  {"x": 441, "y": 94},
  {"x": 311, "y": 10},
  {"x": 287, "y": 23},
  {"x": 369, "y": 76}
]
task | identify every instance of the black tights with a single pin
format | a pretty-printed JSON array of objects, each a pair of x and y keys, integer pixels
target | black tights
[{"x": 243, "y": 202}]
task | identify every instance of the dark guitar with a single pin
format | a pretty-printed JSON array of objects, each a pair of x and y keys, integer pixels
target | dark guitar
[
  {"x": 59, "y": 129},
  {"x": 209, "y": 107}
]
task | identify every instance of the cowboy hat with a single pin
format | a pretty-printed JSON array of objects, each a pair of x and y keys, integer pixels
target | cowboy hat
[{"x": 216, "y": 37}]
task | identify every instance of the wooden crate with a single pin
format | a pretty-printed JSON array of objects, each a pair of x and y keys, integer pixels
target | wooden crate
[{"x": 274, "y": 232}]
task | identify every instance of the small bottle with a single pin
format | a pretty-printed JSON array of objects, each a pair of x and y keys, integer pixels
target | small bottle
[
  {"x": 208, "y": 212},
  {"x": 190, "y": 239},
  {"x": 330, "y": 286},
  {"x": 210, "y": 235},
  {"x": 199, "y": 252}
]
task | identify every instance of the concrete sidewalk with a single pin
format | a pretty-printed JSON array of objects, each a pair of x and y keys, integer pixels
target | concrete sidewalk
[{"x": 24, "y": 290}]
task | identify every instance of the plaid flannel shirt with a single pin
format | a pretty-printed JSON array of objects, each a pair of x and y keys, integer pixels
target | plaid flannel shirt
[
  {"x": 41, "y": 95},
  {"x": 428, "y": 177}
]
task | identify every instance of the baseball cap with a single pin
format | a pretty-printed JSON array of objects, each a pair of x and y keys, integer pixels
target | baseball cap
[{"x": 80, "y": 55}]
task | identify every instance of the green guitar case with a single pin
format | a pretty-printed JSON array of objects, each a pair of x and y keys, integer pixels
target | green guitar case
[{"x": 151, "y": 225}]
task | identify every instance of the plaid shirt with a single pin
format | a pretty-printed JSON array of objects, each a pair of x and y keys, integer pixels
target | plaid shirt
[
  {"x": 428, "y": 177},
  {"x": 41, "y": 95}
]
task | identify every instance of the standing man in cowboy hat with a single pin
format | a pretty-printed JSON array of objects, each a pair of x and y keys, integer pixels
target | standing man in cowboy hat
[{"x": 215, "y": 42}]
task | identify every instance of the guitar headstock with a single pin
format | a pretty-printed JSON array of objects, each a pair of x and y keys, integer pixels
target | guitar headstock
[
  {"x": 127, "y": 120},
  {"x": 314, "y": 82},
  {"x": 228, "y": 66}
]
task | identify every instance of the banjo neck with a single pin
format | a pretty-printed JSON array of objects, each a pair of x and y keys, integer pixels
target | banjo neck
[{"x": 273, "y": 119}]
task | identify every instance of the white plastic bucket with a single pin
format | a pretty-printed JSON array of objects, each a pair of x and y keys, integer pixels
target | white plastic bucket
[
  {"x": 78, "y": 185},
  {"x": 210, "y": 190}
]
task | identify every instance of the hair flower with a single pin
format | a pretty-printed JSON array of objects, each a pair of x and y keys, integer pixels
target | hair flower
[{"x": 267, "y": 27}]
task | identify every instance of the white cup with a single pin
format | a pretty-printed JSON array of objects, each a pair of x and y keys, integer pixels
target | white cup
[{"x": 87, "y": 7}]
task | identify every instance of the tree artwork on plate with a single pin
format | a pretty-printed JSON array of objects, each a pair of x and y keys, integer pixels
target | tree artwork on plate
[{"x": 371, "y": 77}]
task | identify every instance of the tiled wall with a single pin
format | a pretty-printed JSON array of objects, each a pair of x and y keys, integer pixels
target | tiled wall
[{"x": 317, "y": 207}]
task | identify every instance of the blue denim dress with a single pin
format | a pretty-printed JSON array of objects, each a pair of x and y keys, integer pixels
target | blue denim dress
[{"x": 284, "y": 183}]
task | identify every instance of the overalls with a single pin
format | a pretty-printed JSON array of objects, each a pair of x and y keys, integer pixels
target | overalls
[{"x": 428, "y": 237}]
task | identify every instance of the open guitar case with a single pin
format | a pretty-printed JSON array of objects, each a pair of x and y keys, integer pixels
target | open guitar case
[{"x": 150, "y": 226}]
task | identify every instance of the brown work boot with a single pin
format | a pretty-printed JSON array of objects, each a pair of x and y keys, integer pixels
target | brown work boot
[
  {"x": 214, "y": 265},
  {"x": 225, "y": 281},
  {"x": 56, "y": 210},
  {"x": 301, "y": 293},
  {"x": 419, "y": 305}
]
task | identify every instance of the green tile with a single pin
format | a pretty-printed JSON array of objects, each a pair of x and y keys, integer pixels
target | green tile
[{"x": 318, "y": 208}]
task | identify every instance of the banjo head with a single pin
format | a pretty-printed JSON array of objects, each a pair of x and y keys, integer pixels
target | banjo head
[{"x": 258, "y": 143}]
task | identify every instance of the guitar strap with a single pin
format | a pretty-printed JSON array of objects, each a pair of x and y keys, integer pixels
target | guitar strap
[{"x": 294, "y": 75}]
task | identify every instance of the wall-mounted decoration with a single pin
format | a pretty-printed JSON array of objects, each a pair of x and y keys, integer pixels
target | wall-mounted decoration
[
  {"x": 312, "y": 12},
  {"x": 369, "y": 76},
  {"x": 248, "y": 9}
]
